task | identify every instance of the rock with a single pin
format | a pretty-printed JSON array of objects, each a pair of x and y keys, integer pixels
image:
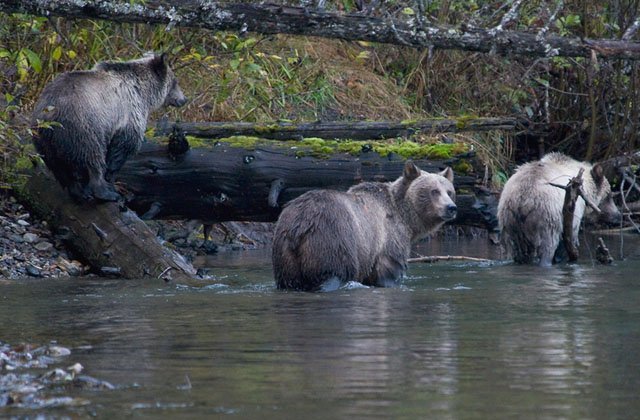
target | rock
[
  {"x": 23, "y": 223},
  {"x": 43, "y": 246},
  {"x": 33, "y": 271},
  {"x": 59, "y": 351},
  {"x": 30, "y": 237},
  {"x": 73, "y": 268}
]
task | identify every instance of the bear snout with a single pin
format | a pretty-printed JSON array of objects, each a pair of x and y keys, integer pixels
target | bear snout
[
  {"x": 450, "y": 212},
  {"x": 177, "y": 102}
]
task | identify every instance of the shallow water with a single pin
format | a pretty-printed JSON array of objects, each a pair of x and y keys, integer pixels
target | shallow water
[{"x": 456, "y": 340}]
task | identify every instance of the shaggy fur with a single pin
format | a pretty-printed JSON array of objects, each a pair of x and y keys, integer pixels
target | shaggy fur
[
  {"x": 99, "y": 117},
  {"x": 364, "y": 234},
  {"x": 530, "y": 209}
]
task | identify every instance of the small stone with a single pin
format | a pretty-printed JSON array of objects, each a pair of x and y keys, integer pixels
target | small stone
[
  {"x": 33, "y": 271},
  {"x": 30, "y": 237},
  {"x": 24, "y": 216},
  {"x": 76, "y": 369},
  {"x": 22, "y": 222},
  {"x": 44, "y": 246},
  {"x": 73, "y": 268}
]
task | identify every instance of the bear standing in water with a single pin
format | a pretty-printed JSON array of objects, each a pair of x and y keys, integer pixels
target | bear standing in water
[
  {"x": 530, "y": 208},
  {"x": 99, "y": 117},
  {"x": 324, "y": 238}
]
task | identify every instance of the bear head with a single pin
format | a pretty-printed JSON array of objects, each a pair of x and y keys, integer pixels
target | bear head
[
  {"x": 609, "y": 212},
  {"x": 173, "y": 95},
  {"x": 429, "y": 197}
]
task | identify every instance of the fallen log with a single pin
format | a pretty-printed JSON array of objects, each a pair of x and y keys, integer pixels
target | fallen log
[
  {"x": 111, "y": 239},
  {"x": 275, "y": 18},
  {"x": 219, "y": 181},
  {"x": 351, "y": 130}
]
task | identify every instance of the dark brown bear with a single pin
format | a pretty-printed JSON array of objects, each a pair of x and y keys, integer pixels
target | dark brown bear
[
  {"x": 98, "y": 121},
  {"x": 325, "y": 238}
]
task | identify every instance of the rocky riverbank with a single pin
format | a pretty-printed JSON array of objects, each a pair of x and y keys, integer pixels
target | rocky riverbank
[{"x": 28, "y": 248}]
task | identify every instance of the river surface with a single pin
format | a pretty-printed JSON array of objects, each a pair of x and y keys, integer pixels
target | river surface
[{"x": 456, "y": 340}]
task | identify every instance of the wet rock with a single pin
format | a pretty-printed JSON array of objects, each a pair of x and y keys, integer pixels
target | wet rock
[
  {"x": 21, "y": 387},
  {"x": 22, "y": 222},
  {"x": 58, "y": 351}
]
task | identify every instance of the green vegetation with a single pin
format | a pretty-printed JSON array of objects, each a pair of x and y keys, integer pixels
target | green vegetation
[{"x": 260, "y": 78}]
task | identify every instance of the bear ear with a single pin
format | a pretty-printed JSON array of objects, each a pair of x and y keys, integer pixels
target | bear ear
[
  {"x": 447, "y": 173},
  {"x": 410, "y": 171},
  {"x": 159, "y": 64},
  {"x": 597, "y": 172}
]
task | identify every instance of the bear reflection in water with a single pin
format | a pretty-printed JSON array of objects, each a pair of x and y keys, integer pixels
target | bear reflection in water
[{"x": 326, "y": 238}]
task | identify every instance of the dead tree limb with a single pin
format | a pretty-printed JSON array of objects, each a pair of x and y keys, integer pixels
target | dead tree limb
[
  {"x": 436, "y": 258},
  {"x": 110, "y": 239},
  {"x": 273, "y": 19},
  {"x": 353, "y": 130},
  {"x": 573, "y": 190}
]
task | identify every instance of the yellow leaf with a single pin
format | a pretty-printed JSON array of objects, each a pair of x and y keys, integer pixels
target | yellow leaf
[{"x": 57, "y": 53}]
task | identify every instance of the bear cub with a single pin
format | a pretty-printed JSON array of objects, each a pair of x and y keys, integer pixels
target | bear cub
[
  {"x": 325, "y": 238},
  {"x": 530, "y": 208},
  {"x": 99, "y": 117}
]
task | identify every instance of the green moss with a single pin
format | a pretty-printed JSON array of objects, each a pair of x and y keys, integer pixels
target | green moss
[
  {"x": 463, "y": 121},
  {"x": 463, "y": 167},
  {"x": 321, "y": 149}
]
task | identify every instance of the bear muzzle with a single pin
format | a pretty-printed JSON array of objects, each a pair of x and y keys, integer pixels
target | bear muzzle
[{"x": 450, "y": 212}]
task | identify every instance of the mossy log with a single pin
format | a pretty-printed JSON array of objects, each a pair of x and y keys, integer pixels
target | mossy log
[
  {"x": 111, "y": 239},
  {"x": 233, "y": 183},
  {"x": 352, "y": 130}
]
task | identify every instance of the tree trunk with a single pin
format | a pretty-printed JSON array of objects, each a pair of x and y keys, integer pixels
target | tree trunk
[
  {"x": 110, "y": 239},
  {"x": 272, "y": 19},
  {"x": 228, "y": 183},
  {"x": 352, "y": 130}
]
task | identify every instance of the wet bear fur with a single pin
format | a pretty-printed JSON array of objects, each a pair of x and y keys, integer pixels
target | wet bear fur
[
  {"x": 530, "y": 208},
  {"x": 325, "y": 238},
  {"x": 99, "y": 117}
]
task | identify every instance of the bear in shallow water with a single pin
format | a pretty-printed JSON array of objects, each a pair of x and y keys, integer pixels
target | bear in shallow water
[
  {"x": 530, "y": 208},
  {"x": 97, "y": 121},
  {"x": 324, "y": 238}
]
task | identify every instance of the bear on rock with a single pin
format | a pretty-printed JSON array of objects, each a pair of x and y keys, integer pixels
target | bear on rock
[
  {"x": 325, "y": 238},
  {"x": 530, "y": 208},
  {"x": 90, "y": 122}
]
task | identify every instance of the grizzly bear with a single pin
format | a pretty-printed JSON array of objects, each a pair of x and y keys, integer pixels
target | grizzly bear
[
  {"x": 530, "y": 208},
  {"x": 90, "y": 122},
  {"x": 325, "y": 238}
]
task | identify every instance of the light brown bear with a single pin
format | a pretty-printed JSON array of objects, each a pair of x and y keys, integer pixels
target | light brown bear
[
  {"x": 325, "y": 238},
  {"x": 530, "y": 208}
]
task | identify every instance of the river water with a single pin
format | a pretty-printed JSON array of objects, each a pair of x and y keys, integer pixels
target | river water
[{"x": 456, "y": 340}]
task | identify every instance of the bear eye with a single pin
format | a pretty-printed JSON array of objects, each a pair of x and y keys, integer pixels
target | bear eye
[
  {"x": 450, "y": 193},
  {"x": 435, "y": 192}
]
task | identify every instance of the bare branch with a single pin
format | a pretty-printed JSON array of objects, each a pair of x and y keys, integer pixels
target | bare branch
[
  {"x": 508, "y": 17},
  {"x": 543, "y": 32},
  {"x": 631, "y": 30}
]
